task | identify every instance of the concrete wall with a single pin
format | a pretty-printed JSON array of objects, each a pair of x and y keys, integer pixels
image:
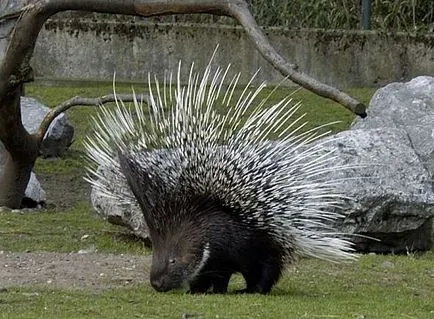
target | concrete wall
[{"x": 71, "y": 49}]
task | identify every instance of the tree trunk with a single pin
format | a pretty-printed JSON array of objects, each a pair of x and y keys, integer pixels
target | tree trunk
[
  {"x": 22, "y": 149},
  {"x": 13, "y": 181}
]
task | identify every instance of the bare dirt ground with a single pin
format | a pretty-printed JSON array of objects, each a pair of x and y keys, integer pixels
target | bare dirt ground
[
  {"x": 70, "y": 270},
  {"x": 61, "y": 270}
]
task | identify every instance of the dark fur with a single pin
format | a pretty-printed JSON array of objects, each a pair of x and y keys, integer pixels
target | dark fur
[
  {"x": 235, "y": 248},
  {"x": 182, "y": 224}
]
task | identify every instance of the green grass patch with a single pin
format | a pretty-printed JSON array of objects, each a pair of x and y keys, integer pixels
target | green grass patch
[
  {"x": 314, "y": 289},
  {"x": 70, "y": 163},
  {"x": 62, "y": 231}
]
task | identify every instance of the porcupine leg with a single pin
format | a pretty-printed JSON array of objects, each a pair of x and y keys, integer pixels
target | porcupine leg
[
  {"x": 251, "y": 283},
  {"x": 251, "y": 276},
  {"x": 271, "y": 273},
  {"x": 263, "y": 279},
  {"x": 220, "y": 283},
  {"x": 200, "y": 285}
]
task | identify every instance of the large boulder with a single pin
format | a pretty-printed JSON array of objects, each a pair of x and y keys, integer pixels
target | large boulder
[
  {"x": 60, "y": 133},
  {"x": 390, "y": 194},
  {"x": 124, "y": 213},
  {"x": 410, "y": 107}
]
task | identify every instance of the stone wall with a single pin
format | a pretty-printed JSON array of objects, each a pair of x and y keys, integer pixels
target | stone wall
[{"x": 88, "y": 50}]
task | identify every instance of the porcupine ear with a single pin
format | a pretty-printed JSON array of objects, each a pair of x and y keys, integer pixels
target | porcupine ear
[{"x": 138, "y": 180}]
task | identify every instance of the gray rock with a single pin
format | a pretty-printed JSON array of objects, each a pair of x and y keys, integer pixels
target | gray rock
[
  {"x": 410, "y": 107},
  {"x": 124, "y": 213},
  {"x": 392, "y": 198},
  {"x": 89, "y": 250},
  {"x": 60, "y": 133},
  {"x": 34, "y": 192}
]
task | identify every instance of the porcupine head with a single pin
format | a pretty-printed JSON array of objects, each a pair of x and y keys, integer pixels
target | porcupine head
[
  {"x": 178, "y": 229},
  {"x": 218, "y": 197}
]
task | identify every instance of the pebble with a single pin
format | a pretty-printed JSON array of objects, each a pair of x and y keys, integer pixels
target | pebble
[
  {"x": 89, "y": 250},
  {"x": 387, "y": 264}
]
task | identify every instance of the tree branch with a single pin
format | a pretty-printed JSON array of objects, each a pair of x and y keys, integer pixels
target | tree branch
[
  {"x": 244, "y": 17},
  {"x": 34, "y": 15},
  {"x": 77, "y": 100}
]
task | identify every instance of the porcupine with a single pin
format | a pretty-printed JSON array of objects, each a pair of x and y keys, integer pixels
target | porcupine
[{"x": 218, "y": 197}]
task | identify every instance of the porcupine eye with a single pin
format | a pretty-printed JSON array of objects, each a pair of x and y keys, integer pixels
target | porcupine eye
[{"x": 172, "y": 261}]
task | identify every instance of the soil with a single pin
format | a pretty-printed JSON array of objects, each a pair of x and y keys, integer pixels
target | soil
[
  {"x": 64, "y": 190},
  {"x": 72, "y": 270},
  {"x": 94, "y": 271}
]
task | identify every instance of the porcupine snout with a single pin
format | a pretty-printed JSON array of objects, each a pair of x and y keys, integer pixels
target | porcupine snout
[
  {"x": 160, "y": 278},
  {"x": 158, "y": 284},
  {"x": 160, "y": 281}
]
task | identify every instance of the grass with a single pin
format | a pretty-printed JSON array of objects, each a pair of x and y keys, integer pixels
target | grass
[
  {"x": 62, "y": 231},
  {"x": 369, "y": 288},
  {"x": 315, "y": 289}
]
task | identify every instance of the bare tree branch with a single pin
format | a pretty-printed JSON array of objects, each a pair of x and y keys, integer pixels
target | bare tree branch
[
  {"x": 37, "y": 12},
  {"x": 264, "y": 46},
  {"x": 77, "y": 100}
]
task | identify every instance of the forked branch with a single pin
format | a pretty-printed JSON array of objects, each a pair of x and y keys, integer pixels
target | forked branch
[{"x": 83, "y": 101}]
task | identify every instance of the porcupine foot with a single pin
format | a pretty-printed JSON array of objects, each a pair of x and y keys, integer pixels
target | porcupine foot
[
  {"x": 263, "y": 279},
  {"x": 219, "y": 283},
  {"x": 200, "y": 285}
]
